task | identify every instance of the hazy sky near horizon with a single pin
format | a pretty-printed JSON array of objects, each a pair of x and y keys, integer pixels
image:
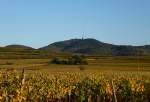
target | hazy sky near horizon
[{"x": 38, "y": 23}]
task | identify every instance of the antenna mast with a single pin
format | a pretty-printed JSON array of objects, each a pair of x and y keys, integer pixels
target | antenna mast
[{"x": 83, "y": 36}]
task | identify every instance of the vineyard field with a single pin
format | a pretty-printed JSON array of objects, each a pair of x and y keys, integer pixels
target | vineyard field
[
  {"x": 104, "y": 79},
  {"x": 75, "y": 87}
]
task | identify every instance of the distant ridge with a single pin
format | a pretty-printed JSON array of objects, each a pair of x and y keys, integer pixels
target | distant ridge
[
  {"x": 15, "y": 46},
  {"x": 87, "y": 46},
  {"x": 26, "y": 52},
  {"x": 92, "y": 46}
]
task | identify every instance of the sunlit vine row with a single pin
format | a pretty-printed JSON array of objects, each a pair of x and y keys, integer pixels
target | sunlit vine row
[{"x": 74, "y": 87}]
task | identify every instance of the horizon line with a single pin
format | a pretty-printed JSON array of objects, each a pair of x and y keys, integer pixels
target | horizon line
[{"x": 27, "y": 45}]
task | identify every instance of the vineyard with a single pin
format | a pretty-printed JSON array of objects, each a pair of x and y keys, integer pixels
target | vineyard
[{"x": 74, "y": 86}]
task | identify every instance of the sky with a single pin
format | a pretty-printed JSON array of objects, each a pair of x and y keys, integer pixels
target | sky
[{"x": 37, "y": 23}]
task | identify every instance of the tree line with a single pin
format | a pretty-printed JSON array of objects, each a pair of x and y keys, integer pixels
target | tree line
[{"x": 73, "y": 60}]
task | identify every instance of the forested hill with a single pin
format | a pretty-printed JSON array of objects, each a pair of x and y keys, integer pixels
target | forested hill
[
  {"x": 94, "y": 47},
  {"x": 73, "y": 46}
]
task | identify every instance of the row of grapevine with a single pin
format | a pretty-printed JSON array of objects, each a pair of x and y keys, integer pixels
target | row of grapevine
[{"x": 74, "y": 87}]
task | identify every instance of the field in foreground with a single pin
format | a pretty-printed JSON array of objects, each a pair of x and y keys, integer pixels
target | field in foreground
[
  {"x": 75, "y": 87},
  {"x": 104, "y": 79}
]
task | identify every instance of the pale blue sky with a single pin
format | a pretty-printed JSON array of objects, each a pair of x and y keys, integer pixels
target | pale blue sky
[{"x": 40, "y": 22}]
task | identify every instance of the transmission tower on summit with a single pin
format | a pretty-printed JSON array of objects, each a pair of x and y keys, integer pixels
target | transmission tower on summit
[{"x": 83, "y": 36}]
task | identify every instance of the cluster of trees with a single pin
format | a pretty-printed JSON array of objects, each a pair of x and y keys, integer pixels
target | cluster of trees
[{"x": 73, "y": 60}]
